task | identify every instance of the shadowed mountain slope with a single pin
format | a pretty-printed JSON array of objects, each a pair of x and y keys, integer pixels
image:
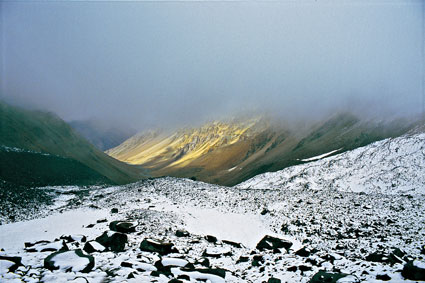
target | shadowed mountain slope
[{"x": 41, "y": 132}]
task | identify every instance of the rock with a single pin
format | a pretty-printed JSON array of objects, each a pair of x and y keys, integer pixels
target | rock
[
  {"x": 114, "y": 210},
  {"x": 272, "y": 243},
  {"x": 215, "y": 271},
  {"x": 392, "y": 258},
  {"x": 383, "y": 277},
  {"x": 233, "y": 244},
  {"x": 102, "y": 220},
  {"x": 182, "y": 233},
  {"x": 174, "y": 280},
  {"x": 273, "y": 280},
  {"x": 13, "y": 262},
  {"x": 126, "y": 264},
  {"x": 328, "y": 277},
  {"x": 414, "y": 270},
  {"x": 123, "y": 226},
  {"x": 242, "y": 259},
  {"x": 211, "y": 239},
  {"x": 73, "y": 238},
  {"x": 257, "y": 259},
  {"x": 217, "y": 252},
  {"x": 93, "y": 246},
  {"x": 75, "y": 261},
  {"x": 292, "y": 268},
  {"x": 114, "y": 241},
  {"x": 42, "y": 246},
  {"x": 304, "y": 252},
  {"x": 163, "y": 248}
]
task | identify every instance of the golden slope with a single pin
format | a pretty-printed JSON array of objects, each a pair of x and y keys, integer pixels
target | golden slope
[{"x": 159, "y": 150}]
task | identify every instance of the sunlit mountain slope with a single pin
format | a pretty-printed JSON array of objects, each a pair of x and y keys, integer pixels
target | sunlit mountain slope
[{"x": 229, "y": 152}]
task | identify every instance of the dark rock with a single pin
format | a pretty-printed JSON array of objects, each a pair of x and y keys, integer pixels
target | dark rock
[
  {"x": 90, "y": 226},
  {"x": 163, "y": 248},
  {"x": 91, "y": 247},
  {"x": 126, "y": 264},
  {"x": 174, "y": 280},
  {"x": 102, "y": 220},
  {"x": 326, "y": 277},
  {"x": 257, "y": 259},
  {"x": 304, "y": 252},
  {"x": 242, "y": 259},
  {"x": 215, "y": 271},
  {"x": 264, "y": 211},
  {"x": 17, "y": 261},
  {"x": 123, "y": 226},
  {"x": 211, "y": 239},
  {"x": 43, "y": 247},
  {"x": 271, "y": 243},
  {"x": 292, "y": 269},
  {"x": 412, "y": 271},
  {"x": 304, "y": 268},
  {"x": 182, "y": 233},
  {"x": 204, "y": 262},
  {"x": 130, "y": 275},
  {"x": 183, "y": 277},
  {"x": 28, "y": 245},
  {"x": 273, "y": 280},
  {"x": 233, "y": 244},
  {"x": 56, "y": 261},
  {"x": 114, "y": 241},
  {"x": 114, "y": 210},
  {"x": 383, "y": 277},
  {"x": 217, "y": 254}
]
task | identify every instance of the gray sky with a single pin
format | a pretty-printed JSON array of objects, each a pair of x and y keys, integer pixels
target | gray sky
[{"x": 158, "y": 63}]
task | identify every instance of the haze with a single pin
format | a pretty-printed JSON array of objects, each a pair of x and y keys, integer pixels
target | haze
[{"x": 148, "y": 64}]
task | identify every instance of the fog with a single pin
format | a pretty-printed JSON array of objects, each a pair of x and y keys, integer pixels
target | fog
[{"x": 149, "y": 64}]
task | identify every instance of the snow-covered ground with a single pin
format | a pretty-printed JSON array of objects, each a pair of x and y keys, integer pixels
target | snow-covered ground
[{"x": 358, "y": 215}]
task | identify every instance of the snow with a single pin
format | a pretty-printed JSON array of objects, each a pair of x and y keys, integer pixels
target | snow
[
  {"x": 168, "y": 261},
  {"x": 4, "y": 265},
  {"x": 317, "y": 206},
  {"x": 395, "y": 165},
  {"x": 233, "y": 168},
  {"x": 70, "y": 222},
  {"x": 419, "y": 264},
  {"x": 321, "y": 156},
  {"x": 70, "y": 260},
  {"x": 243, "y": 228},
  {"x": 199, "y": 276}
]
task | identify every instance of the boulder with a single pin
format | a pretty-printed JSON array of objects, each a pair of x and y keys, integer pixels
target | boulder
[
  {"x": 161, "y": 247},
  {"x": 10, "y": 262},
  {"x": 414, "y": 270},
  {"x": 182, "y": 233},
  {"x": 330, "y": 277},
  {"x": 93, "y": 246},
  {"x": 114, "y": 241},
  {"x": 75, "y": 261},
  {"x": 217, "y": 252},
  {"x": 123, "y": 226},
  {"x": 272, "y": 243}
]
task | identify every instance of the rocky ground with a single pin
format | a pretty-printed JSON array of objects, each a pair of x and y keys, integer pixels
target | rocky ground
[
  {"x": 183, "y": 231},
  {"x": 354, "y": 217}
]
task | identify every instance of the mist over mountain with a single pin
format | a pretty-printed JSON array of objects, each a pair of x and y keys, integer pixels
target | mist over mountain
[
  {"x": 102, "y": 135},
  {"x": 174, "y": 64}
]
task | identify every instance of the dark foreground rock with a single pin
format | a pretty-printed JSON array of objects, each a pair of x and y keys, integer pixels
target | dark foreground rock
[
  {"x": 414, "y": 270},
  {"x": 123, "y": 226},
  {"x": 153, "y": 246},
  {"x": 328, "y": 277},
  {"x": 113, "y": 241},
  {"x": 75, "y": 261},
  {"x": 272, "y": 243},
  {"x": 13, "y": 261}
]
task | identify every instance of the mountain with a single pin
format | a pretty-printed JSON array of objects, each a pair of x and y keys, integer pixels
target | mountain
[
  {"x": 229, "y": 152},
  {"x": 394, "y": 165},
  {"x": 352, "y": 217},
  {"x": 34, "y": 133},
  {"x": 101, "y": 135}
]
